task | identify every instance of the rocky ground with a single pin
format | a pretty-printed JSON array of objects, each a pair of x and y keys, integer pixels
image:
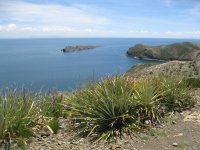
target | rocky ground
[
  {"x": 181, "y": 68},
  {"x": 178, "y": 131}
]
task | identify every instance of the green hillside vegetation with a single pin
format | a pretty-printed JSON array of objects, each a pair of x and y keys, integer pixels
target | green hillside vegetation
[
  {"x": 22, "y": 114},
  {"x": 100, "y": 111}
]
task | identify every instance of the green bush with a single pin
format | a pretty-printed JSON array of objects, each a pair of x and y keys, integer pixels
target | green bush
[
  {"x": 115, "y": 105},
  {"x": 17, "y": 110},
  {"x": 120, "y": 104},
  {"x": 52, "y": 105},
  {"x": 148, "y": 96},
  {"x": 178, "y": 94},
  {"x": 105, "y": 109}
]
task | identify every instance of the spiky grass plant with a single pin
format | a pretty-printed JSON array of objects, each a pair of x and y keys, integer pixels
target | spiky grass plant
[
  {"x": 148, "y": 96},
  {"x": 106, "y": 109},
  {"x": 178, "y": 94},
  {"x": 52, "y": 104},
  {"x": 20, "y": 112},
  {"x": 16, "y": 113},
  {"x": 121, "y": 104}
]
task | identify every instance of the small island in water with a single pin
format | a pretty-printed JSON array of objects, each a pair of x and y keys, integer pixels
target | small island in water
[{"x": 78, "y": 48}]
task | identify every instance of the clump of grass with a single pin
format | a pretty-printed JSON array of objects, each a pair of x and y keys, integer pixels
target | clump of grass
[
  {"x": 20, "y": 112},
  {"x": 17, "y": 110},
  {"x": 178, "y": 94},
  {"x": 121, "y": 104},
  {"x": 105, "y": 109},
  {"x": 54, "y": 124},
  {"x": 149, "y": 97},
  {"x": 52, "y": 104}
]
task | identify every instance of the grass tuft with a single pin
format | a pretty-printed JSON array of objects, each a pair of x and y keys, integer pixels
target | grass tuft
[
  {"x": 178, "y": 94},
  {"x": 121, "y": 104},
  {"x": 105, "y": 109},
  {"x": 17, "y": 110}
]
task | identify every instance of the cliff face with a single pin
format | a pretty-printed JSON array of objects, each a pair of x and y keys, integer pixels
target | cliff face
[{"x": 177, "y": 51}]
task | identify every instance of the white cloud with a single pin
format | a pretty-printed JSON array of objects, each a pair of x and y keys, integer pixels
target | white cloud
[
  {"x": 13, "y": 30},
  {"x": 90, "y": 30},
  {"x": 11, "y": 27},
  {"x": 167, "y": 34},
  {"x": 51, "y": 14},
  {"x": 26, "y": 19},
  {"x": 56, "y": 29},
  {"x": 138, "y": 31},
  {"x": 29, "y": 19}
]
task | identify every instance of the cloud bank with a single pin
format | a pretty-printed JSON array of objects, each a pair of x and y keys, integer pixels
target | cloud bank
[{"x": 25, "y": 19}]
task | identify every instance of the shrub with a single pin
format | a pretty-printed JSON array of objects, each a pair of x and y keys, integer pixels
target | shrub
[
  {"x": 51, "y": 105},
  {"x": 148, "y": 96},
  {"x": 16, "y": 113},
  {"x": 178, "y": 94},
  {"x": 114, "y": 106},
  {"x": 21, "y": 111},
  {"x": 106, "y": 109},
  {"x": 120, "y": 104}
]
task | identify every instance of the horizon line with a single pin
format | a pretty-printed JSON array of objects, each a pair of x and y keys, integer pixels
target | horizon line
[{"x": 189, "y": 38}]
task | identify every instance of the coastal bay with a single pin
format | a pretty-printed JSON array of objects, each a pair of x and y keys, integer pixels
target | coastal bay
[{"x": 39, "y": 64}]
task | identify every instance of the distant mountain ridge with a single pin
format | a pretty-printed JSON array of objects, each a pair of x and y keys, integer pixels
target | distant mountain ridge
[{"x": 178, "y": 51}]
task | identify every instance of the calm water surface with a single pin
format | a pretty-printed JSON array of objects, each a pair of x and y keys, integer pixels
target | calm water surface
[{"x": 39, "y": 63}]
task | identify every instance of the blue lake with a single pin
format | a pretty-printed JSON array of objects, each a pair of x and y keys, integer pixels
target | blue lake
[{"x": 39, "y": 64}]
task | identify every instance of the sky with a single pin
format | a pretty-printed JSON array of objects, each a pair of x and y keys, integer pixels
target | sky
[{"x": 100, "y": 18}]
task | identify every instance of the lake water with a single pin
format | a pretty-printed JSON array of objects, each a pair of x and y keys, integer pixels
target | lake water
[{"x": 39, "y": 64}]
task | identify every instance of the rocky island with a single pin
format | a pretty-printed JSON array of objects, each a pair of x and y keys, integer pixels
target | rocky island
[
  {"x": 78, "y": 48},
  {"x": 178, "y": 51}
]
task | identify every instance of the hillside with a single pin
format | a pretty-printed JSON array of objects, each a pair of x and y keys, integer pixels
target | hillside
[
  {"x": 176, "y": 51},
  {"x": 183, "y": 68}
]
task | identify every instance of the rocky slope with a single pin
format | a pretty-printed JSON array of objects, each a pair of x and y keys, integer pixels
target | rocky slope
[
  {"x": 77, "y": 48},
  {"x": 177, "y": 51},
  {"x": 182, "y": 68}
]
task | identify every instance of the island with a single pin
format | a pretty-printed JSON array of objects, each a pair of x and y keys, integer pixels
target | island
[
  {"x": 78, "y": 48},
  {"x": 185, "y": 51}
]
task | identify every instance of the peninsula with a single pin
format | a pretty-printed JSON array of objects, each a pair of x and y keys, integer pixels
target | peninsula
[
  {"x": 185, "y": 51},
  {"x": 78, "y": 48}
]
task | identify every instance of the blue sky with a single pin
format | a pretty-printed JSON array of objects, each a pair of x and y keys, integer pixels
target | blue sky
[{"x": 100, "y": 18}]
